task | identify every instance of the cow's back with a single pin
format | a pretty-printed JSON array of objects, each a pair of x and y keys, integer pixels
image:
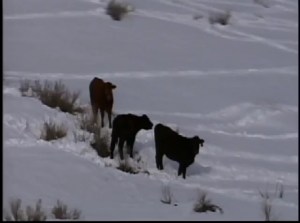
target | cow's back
[
  {"x": 96, "y": 89},
  {"x": 174, "y": 146}
]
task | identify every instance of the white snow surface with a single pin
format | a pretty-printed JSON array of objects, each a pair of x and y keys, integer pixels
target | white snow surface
[{"x": 235, "y": 86}]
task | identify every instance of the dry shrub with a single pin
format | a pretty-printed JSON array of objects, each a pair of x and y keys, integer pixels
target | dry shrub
[
  {"x": 279, "y": 192},
  {"x": 166, "y": 195},
  {"x": 53, "y": 94},
  {"x": 221, "y": 18},
  {"x": 52, "y": 131},
  {"x": 80, "y": 136},
  {"x": 203, "y": 204},
  {"x": 126, "y": 167},
  {"x": 86, "y": 122},
  {"x": 100, "y": 143},
  {"x": 117, "y": 10},
  {"x": 60, "y": 211},
  {"x": 267, "y": 208},
  {"x": 31, "y": 214}
]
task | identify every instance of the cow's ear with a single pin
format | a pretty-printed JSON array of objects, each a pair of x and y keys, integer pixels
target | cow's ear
[{"x": 113, "y": 86}]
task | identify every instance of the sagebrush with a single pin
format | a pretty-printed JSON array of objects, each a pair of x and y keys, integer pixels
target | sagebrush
[
  {"x": 117, "y": 10},
  {"x": 126, "y": 167},
  {"x": 203, "y": 204},
  {"x": 52, "y": 131},
  {"x": 61, "y": 211},
  {"x": 278, "y": 193},
  {"x": 86, "y": 122},
  {"x": 31, "y": 214},
  {"x": 222, "y": 18},
  {"x": 53, "y": 94},
  {"x": 166, "y": 195},
  {"x": 100, "y": 142}
]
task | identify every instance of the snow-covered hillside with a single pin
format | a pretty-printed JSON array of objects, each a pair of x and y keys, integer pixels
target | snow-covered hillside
[{"x": 235, "y": 86}]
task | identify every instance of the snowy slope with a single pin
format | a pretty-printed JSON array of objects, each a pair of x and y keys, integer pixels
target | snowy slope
[{"x": 234, "y": 86}]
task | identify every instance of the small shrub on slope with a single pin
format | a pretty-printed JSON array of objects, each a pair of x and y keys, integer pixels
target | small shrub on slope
[
  {"x": 117, "y": 10},
  {"x": 279, "y": 192},
  {"x": 52, "y": 131},
  {"x": 61, "y": 211},
  {"x": 100, "y": 143},
  {"x": 31, "y": 214},
  {"x": 221, "y": 18},
  {"x": 53, "y": 94},
  {"x": 166, "y": 195},
  {"x": 86, "y": 122},
  {"x": 203, "y": 204},
  {"x": 126, "y": 167}
]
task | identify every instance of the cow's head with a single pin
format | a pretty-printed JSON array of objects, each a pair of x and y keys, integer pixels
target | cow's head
[
  {"x": 197, "y": 142},
  {"x": 145, "y": 122},
  {"x": 108, "y": 90}
]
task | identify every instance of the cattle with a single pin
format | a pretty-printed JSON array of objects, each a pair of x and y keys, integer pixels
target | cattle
[
  {"x": 125, "y": 129},
  {"x": 176, "y": 147},
  {"x": 101, "y": 96}
]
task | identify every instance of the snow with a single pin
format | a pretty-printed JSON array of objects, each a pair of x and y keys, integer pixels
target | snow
[{"x": 235, "y": 86}]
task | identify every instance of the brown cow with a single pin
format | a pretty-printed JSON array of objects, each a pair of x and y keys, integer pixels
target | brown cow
[{"x": 101, "y": 96}]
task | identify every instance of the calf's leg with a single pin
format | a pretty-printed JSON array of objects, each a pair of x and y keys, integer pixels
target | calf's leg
[
  {"x": 95, "y": 112},
  {"x": 182, "y": 170},
  {"x": 102, "y": 117},
  {"x": 159, "y": 161},
  {"x": 114, "y": 139},
  {"x": 130, "y": 144},
  {"x": 108, "y": 111},
  {"x": 121, "y": 144}
]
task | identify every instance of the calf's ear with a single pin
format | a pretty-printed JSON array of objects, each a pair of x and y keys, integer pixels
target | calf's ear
[{"x": 113, "y": 86}]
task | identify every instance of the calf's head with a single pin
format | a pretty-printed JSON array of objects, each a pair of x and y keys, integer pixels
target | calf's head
[
  {"x": 108, "y": 90},
  {"x": 145, "y": 122},
  {"x": 196, "y": 143}
]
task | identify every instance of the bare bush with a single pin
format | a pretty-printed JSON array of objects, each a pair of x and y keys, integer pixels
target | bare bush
[
  {"x": 60, "y": 211},
  {"x": 279, "y": 192},
  {"x": 100, "y": 143},
  {"x": 31, "y": 214},
  {"x": 267, "y": 209},
  {"x": 25, "y": 86},
  {"x": 221, "y": 18},
  {"x": 52, "y": 131},
  {"x": 53, "y": 94},
  {"x": 117, "y": 10},
  {"x": 203, "y": 204},
  {"x": 126, "y": 167},
  {"x": 86, "y": 122},
  {"x": 166, "y": 195},
  {"x": 80, "y": 136}
]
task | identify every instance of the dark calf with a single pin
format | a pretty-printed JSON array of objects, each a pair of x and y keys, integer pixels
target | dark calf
[
  {"x": 125, "y": 128},
  {"x": 175, "y": 147},
  {"x": 101, "y": 96}
]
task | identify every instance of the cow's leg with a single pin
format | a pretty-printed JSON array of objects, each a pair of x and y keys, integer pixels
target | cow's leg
[
  {"x": 159, "y": 161},
  {"x": 179, "y": 169},
  {"x": 95, "y": 112},
  {"x": 121, "y": 144},
  {"x": 182, "y": 170},
  {"x": 114, "y": 139},
  {"x": 102, "y": 117},
  {"x": 130, "y": 145}
]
